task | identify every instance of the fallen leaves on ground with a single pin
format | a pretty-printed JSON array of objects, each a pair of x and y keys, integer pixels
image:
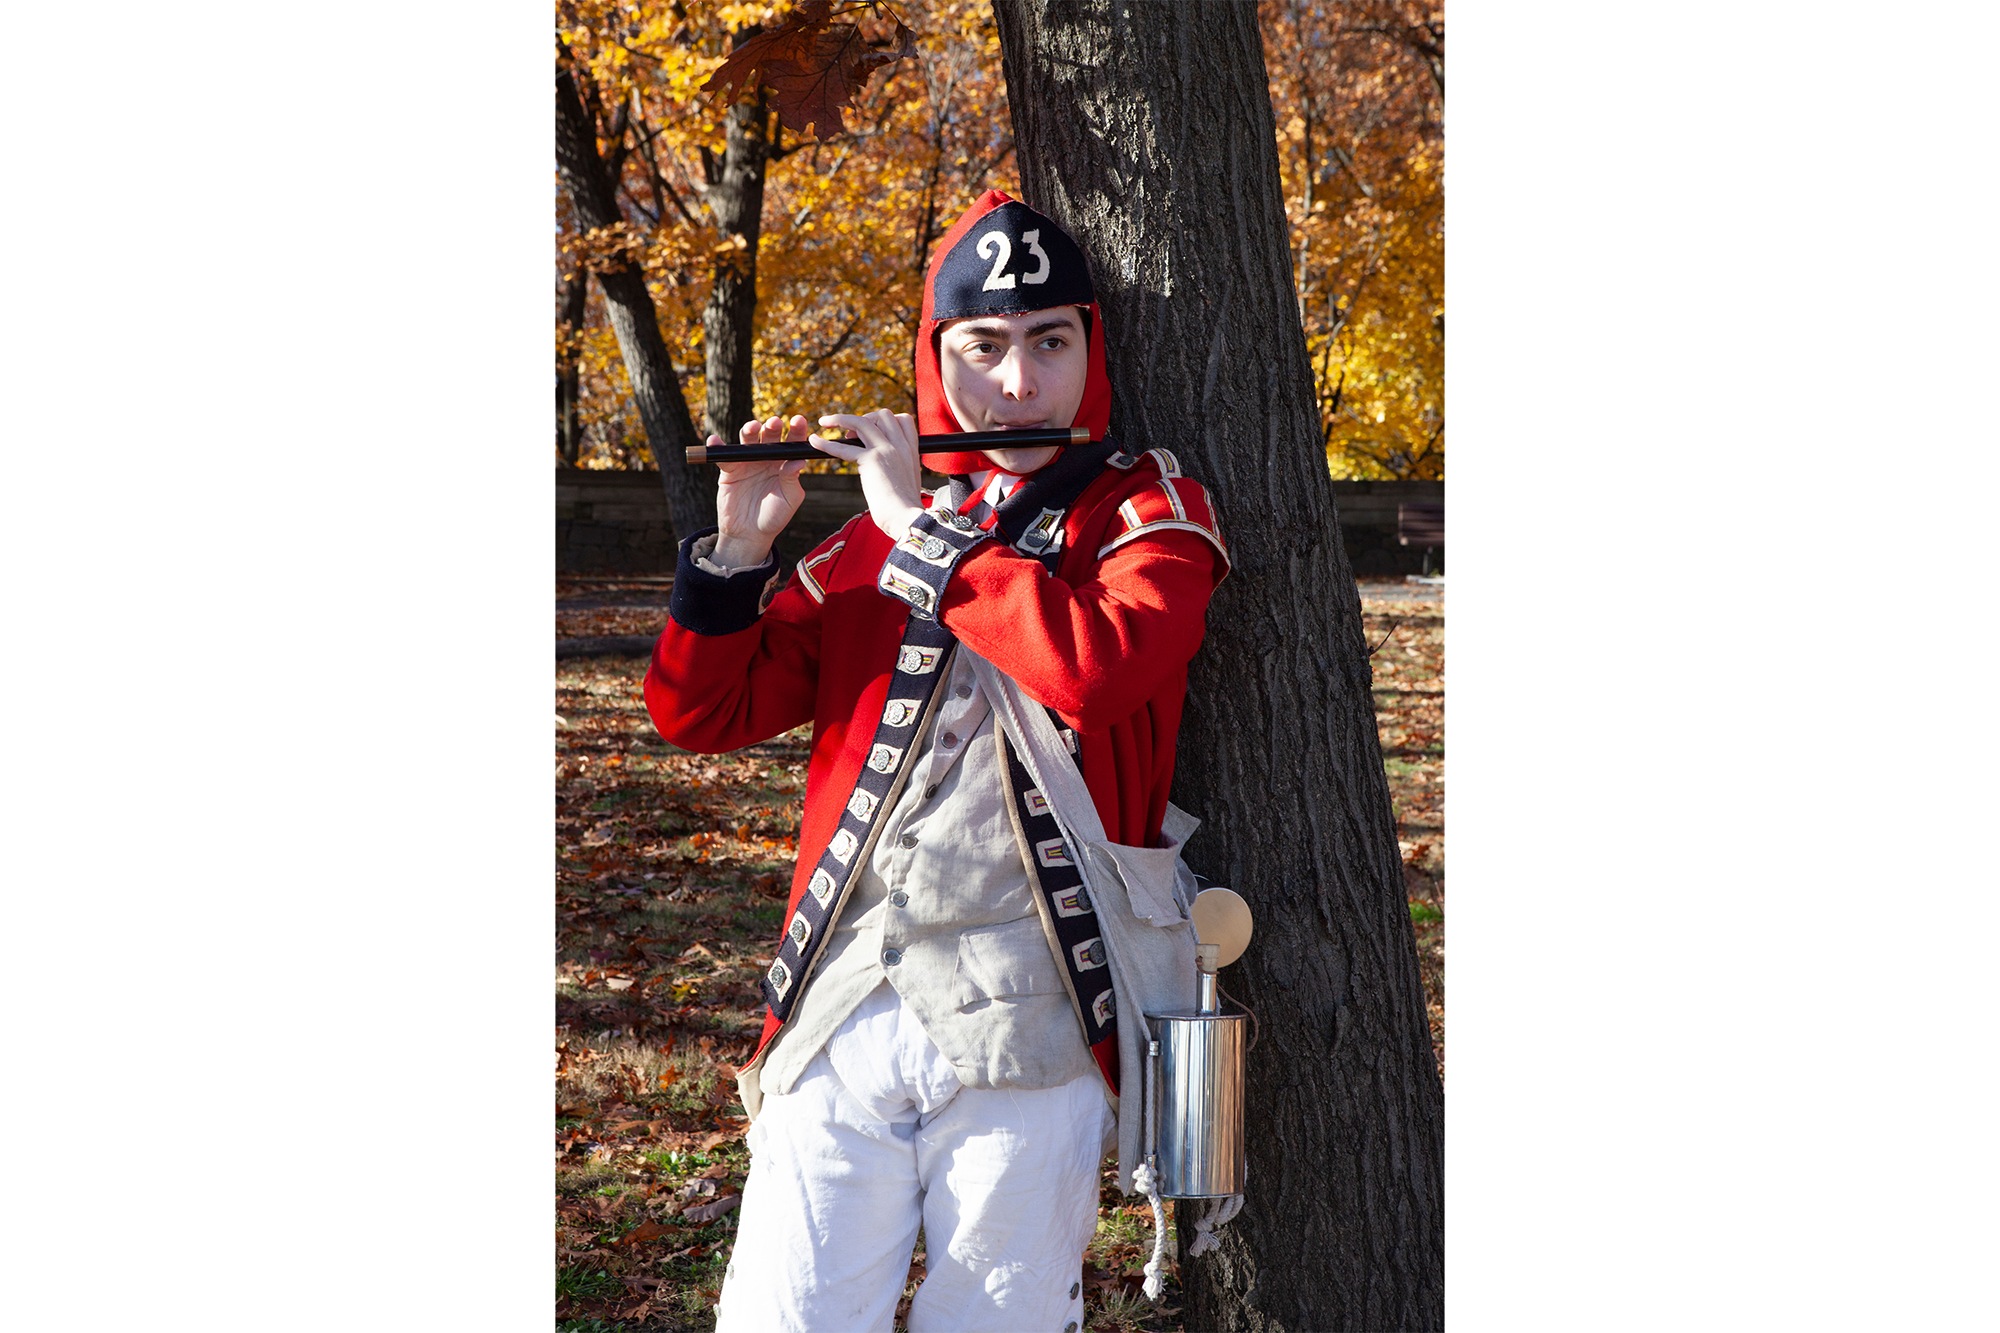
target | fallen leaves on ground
[
  {"x": 671, "y": 876},
  {"x": 1409, "y": 715}
]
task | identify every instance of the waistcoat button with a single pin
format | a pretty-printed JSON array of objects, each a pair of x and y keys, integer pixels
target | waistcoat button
[
  {"x": 950, "y": 739},
  {"x": 891, "y": 957},
  {"x": 963, "y": 692},
  {"x": 930, "y": 791},
  {"x": 899, "y": 898},
  {"x": 908, "y": 840},
  {"x": 1074, "y": 1287}
]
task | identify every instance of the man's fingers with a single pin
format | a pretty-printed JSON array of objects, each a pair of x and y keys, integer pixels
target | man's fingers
[
  {"x": 769, "y": 431},
  {"x": 878, "y": 428},
  {"x": 845, "y": 450},
  {"x": 845, "y": 420}
]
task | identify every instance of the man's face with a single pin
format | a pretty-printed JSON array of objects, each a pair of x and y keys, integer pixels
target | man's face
[{"x": 1015, "y": 372}]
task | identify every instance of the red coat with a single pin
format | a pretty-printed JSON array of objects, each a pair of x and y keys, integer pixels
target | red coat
[{"x": 1106, "y": 643}]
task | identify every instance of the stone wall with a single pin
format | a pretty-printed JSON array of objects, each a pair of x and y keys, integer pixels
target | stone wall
[
  {"x": 1368, "y": 525},
  {"x": 616, "y": 522}
]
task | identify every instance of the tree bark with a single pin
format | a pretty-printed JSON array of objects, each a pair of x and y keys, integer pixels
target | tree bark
[
  {"x": 569, "y": 370},
  {"x": 736, "y": 199},
  {"x": 656, "y": 389},
  {"x": 1145, "y": 128}
]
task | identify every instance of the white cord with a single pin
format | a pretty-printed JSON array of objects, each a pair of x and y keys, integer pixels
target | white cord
[
  {"x": 1143, "y": 1181},
  {"x": 1218, "y": 1213},
  {"x": 1156, "y": 1272}
]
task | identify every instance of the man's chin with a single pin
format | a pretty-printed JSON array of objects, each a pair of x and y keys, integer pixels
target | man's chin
[{"x": 1020, "y": 460}]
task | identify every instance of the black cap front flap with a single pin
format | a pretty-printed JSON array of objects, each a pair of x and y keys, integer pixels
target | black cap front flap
[{"x": 1012, "y": 260}]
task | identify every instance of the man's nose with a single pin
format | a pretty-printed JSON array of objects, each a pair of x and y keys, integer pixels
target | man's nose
[{"x": 1018, "y": 375}]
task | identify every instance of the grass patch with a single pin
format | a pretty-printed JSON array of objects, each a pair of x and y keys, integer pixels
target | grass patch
[{"x": 580, "y": 1281}]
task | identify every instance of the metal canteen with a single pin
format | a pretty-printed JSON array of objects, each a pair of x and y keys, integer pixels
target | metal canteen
[{"x": 1194, "y": 1067}]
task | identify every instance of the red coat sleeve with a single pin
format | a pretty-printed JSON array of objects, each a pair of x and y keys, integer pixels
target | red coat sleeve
[
  {"x": 716, "y": 691},
  {"x": 1095, "y": 651}
]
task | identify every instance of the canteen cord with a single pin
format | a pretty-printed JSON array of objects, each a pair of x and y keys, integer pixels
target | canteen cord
[
  {"x": 1252, "y": 1013},
  {"x": 1143, "y": 1181},
  {"x": 1219, "y": 1213}
]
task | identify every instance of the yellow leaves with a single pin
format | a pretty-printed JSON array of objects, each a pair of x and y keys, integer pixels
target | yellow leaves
[
  {"x": 736, "y": 17},
  {"x": 1369, "y": 245}
]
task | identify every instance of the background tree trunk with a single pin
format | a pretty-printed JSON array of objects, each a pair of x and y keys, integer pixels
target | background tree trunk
[
  {"x": 1145, "y": 128},
  {"x": 569, "y": 376},
  {"x": 656, "y": 389},
  {"x": 736, "y": 198}
]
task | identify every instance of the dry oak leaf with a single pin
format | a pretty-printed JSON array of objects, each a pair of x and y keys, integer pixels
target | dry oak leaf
[
  {"x": 642, "y": 1233},
  {"x": 812, "y": 66},
  {"x": 708, "y": 1212}
]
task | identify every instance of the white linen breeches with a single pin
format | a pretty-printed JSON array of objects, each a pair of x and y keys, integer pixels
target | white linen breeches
[{"x": 879, "y": 1135}]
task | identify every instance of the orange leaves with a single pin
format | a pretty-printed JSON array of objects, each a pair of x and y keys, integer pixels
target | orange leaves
[
  {"x": 812, "y": 66},
  {"x": 645, "y": 1231}
]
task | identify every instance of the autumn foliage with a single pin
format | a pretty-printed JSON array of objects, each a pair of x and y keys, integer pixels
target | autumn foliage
[
  {"x": 1358, "y": 92},
  {"x": 889, "y": 120},
  {"x": 848, "y": 220}
]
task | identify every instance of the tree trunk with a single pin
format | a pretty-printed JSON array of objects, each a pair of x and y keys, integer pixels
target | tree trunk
[
  {"x": 656, "y": 389},
  {"x": 736, "y": 198},
  {"x": 1146, "y": 129},
  {"x": 569, "y": 369}
]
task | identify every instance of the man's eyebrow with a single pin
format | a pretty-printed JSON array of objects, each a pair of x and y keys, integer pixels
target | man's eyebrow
[{"x": 1035, "y": 331}]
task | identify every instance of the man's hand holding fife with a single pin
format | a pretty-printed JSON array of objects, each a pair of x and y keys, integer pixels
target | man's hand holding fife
[
  {"x": 883, "y": 448},
  {"x": 755, "y": 501}
]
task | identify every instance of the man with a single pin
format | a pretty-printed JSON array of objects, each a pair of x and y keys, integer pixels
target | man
[{"x": 941, "y": 1044}]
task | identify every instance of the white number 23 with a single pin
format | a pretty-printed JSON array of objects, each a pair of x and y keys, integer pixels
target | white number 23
[{"x": 994, "y": 245}]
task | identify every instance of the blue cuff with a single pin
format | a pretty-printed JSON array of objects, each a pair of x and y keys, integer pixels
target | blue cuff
[
  {"x": 920, "y": 565},
  {"x": 711, "y": 604}
]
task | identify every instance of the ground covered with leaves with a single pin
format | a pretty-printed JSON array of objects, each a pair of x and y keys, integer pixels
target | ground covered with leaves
[
  {"x": 671, "y": 876},
  {"x": 1409, "y": 714}
]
